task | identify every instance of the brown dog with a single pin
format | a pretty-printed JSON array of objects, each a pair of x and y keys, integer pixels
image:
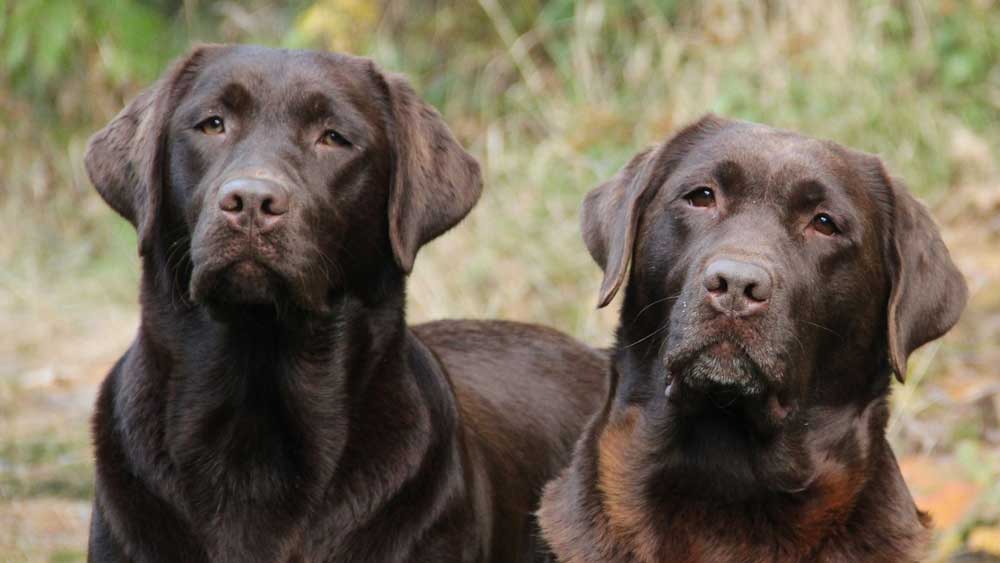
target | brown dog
[
  {"x": 776, "y": 284},
  {"x": 274, "y": 405}
]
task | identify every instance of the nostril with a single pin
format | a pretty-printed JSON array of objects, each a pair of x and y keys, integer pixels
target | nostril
[
  {"x": 761, "y": 292},
  {"x": 253, "y": 197},
  {"x": 737, "y": 286},
  {"x": 274, "y": 205},
  {"x": 723, "y": 285},
  {"x": 715, "y": 283},
  {"x": 232, "y": 203}
]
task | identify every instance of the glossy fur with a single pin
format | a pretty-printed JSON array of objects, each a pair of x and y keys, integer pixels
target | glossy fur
[
  {"x": 274, "y": 405},
  {"x": 753, "y": 434}
]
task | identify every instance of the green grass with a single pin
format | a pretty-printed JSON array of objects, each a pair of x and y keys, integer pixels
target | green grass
[
  {"x": 47, "y": 465},
  {"x": 552, "y": 97},
  {"x": 68, "y": 556}
]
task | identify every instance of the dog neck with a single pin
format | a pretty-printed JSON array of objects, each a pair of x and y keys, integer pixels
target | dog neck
[
  {"x": 259, "y": 413},
  {"x": 654, "y": 502}
]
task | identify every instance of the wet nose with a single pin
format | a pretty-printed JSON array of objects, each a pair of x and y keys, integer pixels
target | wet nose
[
  {"x": 736, "y": 287},
  {"x": 259, "y": 203}
]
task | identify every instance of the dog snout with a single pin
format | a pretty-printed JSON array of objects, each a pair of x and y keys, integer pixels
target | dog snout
[
  {"x": 735, "y": 287},
  {"x": 259, "y": 203}
]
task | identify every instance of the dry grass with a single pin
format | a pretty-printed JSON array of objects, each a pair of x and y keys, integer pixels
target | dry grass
[{"x": 551, "y": 101}]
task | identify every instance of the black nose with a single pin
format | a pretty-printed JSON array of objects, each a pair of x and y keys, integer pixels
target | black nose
[
  {"x": 257, "y": 202},
  {"x": 736, "y": 287}
]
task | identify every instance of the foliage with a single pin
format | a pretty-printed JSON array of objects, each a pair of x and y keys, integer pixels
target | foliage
[{"x": 551, "y": 95}]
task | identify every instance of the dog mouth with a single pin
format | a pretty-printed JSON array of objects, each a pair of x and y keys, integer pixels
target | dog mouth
[
  {"x": 238, "y": 281},
  {"x": 724, "y": 378},
  {"x": 230, "y": 279},
  {"x": 721, "y": 365}
]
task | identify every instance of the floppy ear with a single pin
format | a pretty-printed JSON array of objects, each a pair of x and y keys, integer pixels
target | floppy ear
[
  {"x": 612, "y": 210},
  {"x": 125, "y": 159},
  {"x": 435, "y": 183},
  {"x": 610, "y": 218},
  {"x": 928, "y": 292}
]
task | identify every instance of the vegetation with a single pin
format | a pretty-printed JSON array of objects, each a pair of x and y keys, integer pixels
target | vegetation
[{"x": 552, "y": 96}]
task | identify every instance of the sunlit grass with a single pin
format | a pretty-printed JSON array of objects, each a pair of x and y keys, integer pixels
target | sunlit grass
[{"x": 552, "y": 97}]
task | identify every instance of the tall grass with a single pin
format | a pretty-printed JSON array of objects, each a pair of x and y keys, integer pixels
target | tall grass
[
  {"x": 552, "y": 96},
  {"x": 564, "y": 94}
]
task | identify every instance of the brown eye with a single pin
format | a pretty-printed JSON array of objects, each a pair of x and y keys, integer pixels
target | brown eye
[
  {"x": 212, "y": 126},
  {"x": 332, "y": 138},
  {"x": 824, "y": 225},
  {"x": 701, "y": 197}
]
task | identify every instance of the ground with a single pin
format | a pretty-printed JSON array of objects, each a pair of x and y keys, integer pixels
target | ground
[{"x": 944, "y": 427}]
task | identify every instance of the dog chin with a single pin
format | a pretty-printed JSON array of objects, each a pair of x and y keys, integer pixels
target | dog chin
[
  {"x": 721, "y": 379},
  {"x": 724, "y": 366},
  {"x": 248, "y": 285},
  {"x": 241, "y": 282}
]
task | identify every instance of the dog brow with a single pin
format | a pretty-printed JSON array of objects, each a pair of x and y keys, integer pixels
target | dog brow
[
  {"x": 807, "y": 193},
  {"x": 313, "y": 107},
  {"x": 316, "y": 107},
  {"x": 728, "y": 172},
  {"x": 236, "y": 97}
]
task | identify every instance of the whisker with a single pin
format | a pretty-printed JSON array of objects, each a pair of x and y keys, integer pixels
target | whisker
[
  {"x": 650, "y": 335},
  {"x": 819, "y": 326},
  {"x": 660, "y": 350},
  {"x": 182, "y": 244},
  {"x": 799, "y": 342},
  {"x": 330, "y": 264},
  {"x": 657, "y": 302}
]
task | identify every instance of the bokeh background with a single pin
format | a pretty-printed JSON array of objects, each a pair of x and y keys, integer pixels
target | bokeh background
[{"x": 552, "y": 96}]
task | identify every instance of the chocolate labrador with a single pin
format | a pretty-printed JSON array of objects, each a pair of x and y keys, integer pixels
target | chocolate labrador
[
  {"x": 776, "y": 284},
  {"x": 274, "y": 405}
]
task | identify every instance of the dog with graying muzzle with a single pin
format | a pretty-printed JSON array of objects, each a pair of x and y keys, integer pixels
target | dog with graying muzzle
[
  {"x": 274, "y": 405},
  {"x": 773, "y": 285}
]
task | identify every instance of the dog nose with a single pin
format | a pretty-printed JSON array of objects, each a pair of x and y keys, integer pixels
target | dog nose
[
  {"x": 259, "y": 202},
  {"x": 736, "y": 287}
]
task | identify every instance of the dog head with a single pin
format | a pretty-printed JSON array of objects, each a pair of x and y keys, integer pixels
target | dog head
[
  {"x": 769, "y": 272},
  {"x": 260, "y": 176}
]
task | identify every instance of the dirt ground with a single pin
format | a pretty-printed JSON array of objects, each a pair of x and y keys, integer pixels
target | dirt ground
[{"x": 54, "y": 354}]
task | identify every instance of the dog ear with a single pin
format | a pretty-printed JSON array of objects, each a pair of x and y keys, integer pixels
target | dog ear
[
  {"x": 928, "y": 292},
  {"x": 435, "y": 182},
  {"x": 125, "y": 159},
  {"x": 610, "y": 217},
  {"x": 612, "y": 210}
]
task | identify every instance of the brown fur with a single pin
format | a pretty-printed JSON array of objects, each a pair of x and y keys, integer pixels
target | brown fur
[
  {"x": 275, "y": 406},
  {"x": 697, "y": 457}
]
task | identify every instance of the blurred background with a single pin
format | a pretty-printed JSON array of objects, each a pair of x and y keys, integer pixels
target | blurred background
[{"x": 552, "y": 96}]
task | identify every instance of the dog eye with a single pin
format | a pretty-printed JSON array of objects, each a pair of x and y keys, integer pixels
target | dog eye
[
  {"x": 332, "y": 138},
  {"x": 701, "y": 197},
  {"x": 825, "y": 225},
  {"x": 212, "y": 126}
]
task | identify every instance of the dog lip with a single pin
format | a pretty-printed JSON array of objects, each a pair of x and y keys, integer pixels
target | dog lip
[
  {"x": 245, "y": 262},
  {"x": 248, "y": 266},
  {"x": 778, "y": 410},
  {"x": 677, "y": 364},
  {"x": 222, "y": 253},
  {"x": 213, "y": 276},
  {"x": 766, "y": 407},
  {"x": 216, "y": 280},
  {"x": 676, "y": 361}
]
